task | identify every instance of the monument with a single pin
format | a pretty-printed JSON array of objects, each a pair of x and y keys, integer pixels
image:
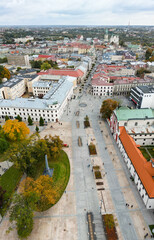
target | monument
[{"x": 47, "y": 171}]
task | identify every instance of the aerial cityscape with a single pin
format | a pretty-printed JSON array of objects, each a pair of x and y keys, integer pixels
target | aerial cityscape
[{"x": 76, "y": 120}]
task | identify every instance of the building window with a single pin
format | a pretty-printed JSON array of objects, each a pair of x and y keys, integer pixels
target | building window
[
  {"x": 136, "y": 123},
  {"x": 125, "y": 124}
]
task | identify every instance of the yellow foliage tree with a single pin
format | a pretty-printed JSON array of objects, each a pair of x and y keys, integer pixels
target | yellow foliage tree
[
  {"x": 43, "y": 190},
  {"x": 15, "y": 130}
]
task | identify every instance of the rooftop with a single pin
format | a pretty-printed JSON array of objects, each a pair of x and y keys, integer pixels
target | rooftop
[
  {"x": 146, "y": 89},
  {"x": 56, "y": 94},
  {"x": 143, "y": 168},
  {"x": 125, "y": 113}
]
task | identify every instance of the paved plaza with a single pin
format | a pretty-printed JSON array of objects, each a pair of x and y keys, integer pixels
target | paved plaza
[{"x": 67, "y": 219}]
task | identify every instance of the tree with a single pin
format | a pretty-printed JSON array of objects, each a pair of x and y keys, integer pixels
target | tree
[
  {"x": 148, "y": 53},
  {"x": 45, "y": 66},
  {"x": 30, "y": 121},
  {"x": 37, "y": 129},
  {"x": 2, "y": 192},
  {"x": 22, "y": 214},
  {"x": 18, "y": 69},
  {"x": 42, "y": 188},
  {"x": 55, "y": 145},
  {"x": 41, "y": 122},
  {"x": 15, "y": 130},
  {"x": 3, "y": 145},
  {"x": 39, "y": 150},
  {"x": 107, "y": 107},
  {"x": 19, "y": 118},
  {"x": 21, "y": 155},
  {"x": 36, "y": 64},
  {"x": 141, "y": 71},
  {"x": 6, "y": 118},
  {"x": 4, "y": 73}
]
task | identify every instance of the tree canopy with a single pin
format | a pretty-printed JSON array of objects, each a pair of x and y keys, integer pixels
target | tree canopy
[
  {"x": 107, "y": 107},
  {"x": 41, "y": 189},
  {"x": 15, "y": 130},
  {"x": 4, "y": 73},
  {"x": 148, "y": 53},
  {"x": 22, "y": 214},
  {"x": 45, "y": 66}
]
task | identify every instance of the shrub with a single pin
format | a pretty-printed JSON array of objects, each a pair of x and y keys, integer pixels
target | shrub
[
  {"x": 109, "y": 227},
  {"x": 96, "y": 167},
  {"x": 98, "y": 175},
  {"x": 86, "y": 122},
  {"x": 92, "y": 149}
]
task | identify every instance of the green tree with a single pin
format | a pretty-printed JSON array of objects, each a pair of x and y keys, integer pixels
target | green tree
[
  {"x": 37, "y": 129},
  {"x": 3, "y": 145},
  {"x": 3, "y": 60},
  {"x": 39, "y": 149},
  {"x": 107, "y": 107},
  {"x": 36, "y": 64},
  {"x": 18, "y": 69},
  {"x": 6, "y": 118},
  {"x": 30, "y": 121},
  {"x": 41, "y": 122},
  {"x": 19, "y": 118},
  {"x": 22, "y": 214},
  {"x": 21, "y": 155},
  {"x": 45, "y": 66}
]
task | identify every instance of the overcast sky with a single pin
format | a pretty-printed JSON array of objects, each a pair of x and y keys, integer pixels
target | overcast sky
[{"x": 76, "y": 12}]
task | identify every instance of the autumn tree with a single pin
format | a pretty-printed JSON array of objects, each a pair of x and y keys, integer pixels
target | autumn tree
[
  {"x": 55, "y": 145},
  {"x": 43, "y": 190},
  {"x": 107, "y": 107},
  {"x": 4, "y": 73},
  {"x": 15, "y": 130},
  {"x": 148, "y": 53},
  {"x": 22, "y": 214},
  {"x": 141, "y": 71}
]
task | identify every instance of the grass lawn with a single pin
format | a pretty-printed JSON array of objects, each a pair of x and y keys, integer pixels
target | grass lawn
[
  {"x": 61, "y": 173},
  {"x": 145, "y": 154},
  {"x": 151, "y": 151},
  {"x": 9, "y": 181}
]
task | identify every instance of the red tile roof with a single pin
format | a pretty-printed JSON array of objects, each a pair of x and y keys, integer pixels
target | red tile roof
[
  {"x": 67, "y": 72},
  {"x": 143, "y": 168}
]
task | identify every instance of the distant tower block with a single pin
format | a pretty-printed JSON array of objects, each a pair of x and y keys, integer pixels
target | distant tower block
[
  {"x": 47, "y": 170},
  {"x": 106, "y": 37}
]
